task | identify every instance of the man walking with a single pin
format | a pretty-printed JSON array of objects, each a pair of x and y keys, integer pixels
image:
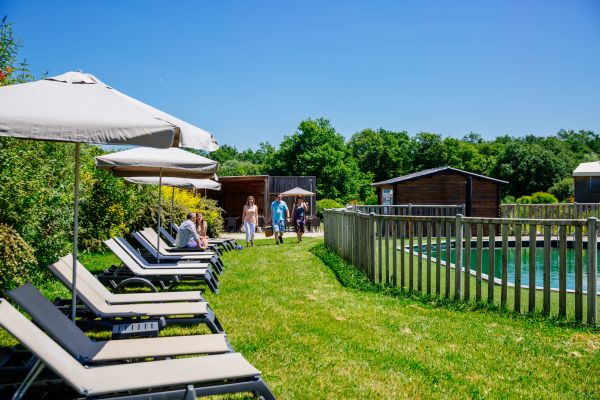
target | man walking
[{"x": 278, "y": 208}]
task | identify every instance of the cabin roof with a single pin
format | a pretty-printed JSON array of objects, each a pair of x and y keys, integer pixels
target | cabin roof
[{"x": 434, "y": 171}]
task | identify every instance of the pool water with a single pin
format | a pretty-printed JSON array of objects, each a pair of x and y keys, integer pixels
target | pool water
[{"x": 539, "y": 265}]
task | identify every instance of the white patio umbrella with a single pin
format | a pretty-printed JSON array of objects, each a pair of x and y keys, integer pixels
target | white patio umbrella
[
  {"x": 182, "y": 183},
  {"x": 149, "y": 162},
  {"x": 77, "y": 107},
  {"x": 296, "y": 192}
]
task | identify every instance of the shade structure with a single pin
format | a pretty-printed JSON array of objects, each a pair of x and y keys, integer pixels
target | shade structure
[
  {"x": 297, "y": 192},
  {"x": 77, "y": 107},
  {"x": 149, "y": 162},
  {"x": 183, "y": 183},
  {"x": 146, "y": 161}
]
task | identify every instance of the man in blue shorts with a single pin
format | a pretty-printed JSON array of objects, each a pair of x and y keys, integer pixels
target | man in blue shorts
[{"x": 278, "y": 210}]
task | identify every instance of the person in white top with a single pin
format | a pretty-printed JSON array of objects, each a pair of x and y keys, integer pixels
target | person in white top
[{"x": 250, "y": 217}]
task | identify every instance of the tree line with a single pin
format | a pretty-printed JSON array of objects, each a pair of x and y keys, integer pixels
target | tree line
[{"x": 346, "y": 168}]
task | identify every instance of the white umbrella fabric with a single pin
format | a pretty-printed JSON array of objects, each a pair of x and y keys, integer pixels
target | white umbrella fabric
[
  {"x": 297, "y": 192},
  {"x": 182, "y": 183},
  {"x": 149, "y": 162},
  {"x": 77, "y": 107}
]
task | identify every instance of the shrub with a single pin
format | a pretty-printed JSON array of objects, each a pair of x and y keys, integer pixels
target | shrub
[
  {"x": 543, "y": 198},
  {"x": 563, "y": 189},
  {"x": 185, "y": 202},
  {"x": 372, "y": 200},
  {"x": 326, "y": 203},
  {"x": 525, "y": 200},
  {"x": 508, "y": 199},
  {"x": 17, "y": 260}
]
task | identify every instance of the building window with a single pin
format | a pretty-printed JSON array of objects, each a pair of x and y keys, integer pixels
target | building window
[{"x": 594, "y": 184}]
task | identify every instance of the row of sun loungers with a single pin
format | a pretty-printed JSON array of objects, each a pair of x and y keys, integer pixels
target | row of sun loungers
[{"x": 145, "y": 368}]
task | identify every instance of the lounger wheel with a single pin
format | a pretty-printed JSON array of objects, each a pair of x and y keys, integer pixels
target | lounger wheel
[{"x": 135, "y": 281}]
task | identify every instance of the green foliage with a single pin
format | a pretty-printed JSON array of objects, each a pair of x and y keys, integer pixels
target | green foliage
[
  {"x": 563, "y": 189},
  {"x": 17, "y": 260},
  {"x": 525, "y": 200},
  {"x": 317, "y": 149},
  {"x": 543, "y": 198},
  {"x": 327, "y": 203},
  {"x": 186, "y": 202},
  {"x": 508, "y": 199},
  {"x": 11, "y": 70},
  {"x": 372, "y": 200},
  {"x": 239, "y": 168}
]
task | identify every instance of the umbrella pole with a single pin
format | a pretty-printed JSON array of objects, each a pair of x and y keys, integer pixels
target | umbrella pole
[
  {"x": 172, "y": 210},
  {"x": 159, "y": 205},
  {"x": 75, "y": 234}
]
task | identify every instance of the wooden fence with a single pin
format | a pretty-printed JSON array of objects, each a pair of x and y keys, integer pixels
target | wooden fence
[
  {"x": 412, "y": 209},
  {"x": 397, "y": 250},
  {"x": 551, "y": 211}
]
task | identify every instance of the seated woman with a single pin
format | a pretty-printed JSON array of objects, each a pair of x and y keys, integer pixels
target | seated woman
[{"x": 202, "y": 230}]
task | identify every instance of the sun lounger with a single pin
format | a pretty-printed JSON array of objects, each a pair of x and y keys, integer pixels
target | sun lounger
[
  {"x": 99, "y": 307},
  {"x": 230, "y": 242},
  {"x": 174, "y": 274},
  {"x": 181, "y": 378},
  {"x": 224, "y": 244},
  {"x": 198, "y": 263},
  {"x": 151, "y": 236},
  {"x": 71, "y": 338},
  {"x": 133, "y": 298},
  {"x": 212, "y": 258}
]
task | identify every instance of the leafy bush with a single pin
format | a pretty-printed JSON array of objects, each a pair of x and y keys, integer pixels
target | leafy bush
[
  {"x": 17, "y": 260},
  {"x": 538, "y": 198},
  {"x": 185, "y": 202},
  {"x": 326, "y": 203},
  {"x": 508, "y": 199},
  {"x": 563, "y": 189},
  {"x": 372, "y": 200}
]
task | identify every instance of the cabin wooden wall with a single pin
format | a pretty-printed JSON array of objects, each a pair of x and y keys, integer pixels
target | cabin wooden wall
[{"x": 587, "y": 189}]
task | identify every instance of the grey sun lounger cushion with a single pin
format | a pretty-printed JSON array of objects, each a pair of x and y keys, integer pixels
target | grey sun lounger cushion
[
  {"x": 99, "y": 306},
  {"x": 213, "y": 259},
  {"x": 132, "y": 298},
  {"x": 221, "y": 373},
  {"x": 195, "y": 273},
  {"x": 70, "y": 337}
]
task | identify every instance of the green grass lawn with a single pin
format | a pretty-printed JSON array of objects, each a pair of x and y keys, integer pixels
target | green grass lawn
[{"x": 285, "y": 310}]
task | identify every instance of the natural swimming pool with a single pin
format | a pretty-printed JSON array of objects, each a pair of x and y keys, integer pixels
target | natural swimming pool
[{"x": 539, "y": 264}]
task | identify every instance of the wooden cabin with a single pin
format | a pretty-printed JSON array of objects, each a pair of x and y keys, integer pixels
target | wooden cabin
[
  {"x": 587, "y": 182},
  {"x": 444, "y": 186},
  {"x": 236, "y": 189}
]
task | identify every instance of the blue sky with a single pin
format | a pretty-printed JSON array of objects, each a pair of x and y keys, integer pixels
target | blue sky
[{"x": 250, "y": 71}]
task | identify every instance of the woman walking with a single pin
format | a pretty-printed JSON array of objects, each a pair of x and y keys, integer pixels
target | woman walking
[
  {"x": 300, "y": 209},
  {"x": 250, "y": 216}
]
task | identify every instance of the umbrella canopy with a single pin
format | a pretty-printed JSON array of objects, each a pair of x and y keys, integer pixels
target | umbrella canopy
[
  {"x": 146, "y": 161},
  {"x": 183, "y": 183},
  {"x": 297, "y": 192}
]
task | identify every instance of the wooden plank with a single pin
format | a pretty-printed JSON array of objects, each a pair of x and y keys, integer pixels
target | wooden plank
[
  {"x": 547, "y": 245},
  {"x": 562, "y": 271},
  {"x": 518, "y": 252},
  {"x": 448, "y": 258},
  {"x": 411, "y": 245},
  {"x": 402, "y": 255},
  {"x": 592, "y": 270},
  {"x": 438, "y": 264},
  {"x": 429, "y": 234},
  {"x": 578, "y": 273},
  {"x": 491, "y": 261},
  {"x": 467, "y": 263},
  {"x": 479, "y": 263},
  {"x": 379, "y": 234},
  {"x": 532, "y": 267},
  {"x": 504, "y": 287},
  {"x": 395, "y": 253},
  {"x": 387, "y": 252},
  {"x": 420, "y": 257},
  {"x": 458, "y": 245}
]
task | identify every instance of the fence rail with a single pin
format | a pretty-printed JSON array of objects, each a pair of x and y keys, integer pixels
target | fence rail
[
  {"x": 411, "y": 209},
  {"x": 450, "y": 256},
  {"x": 551, "y": 211}
]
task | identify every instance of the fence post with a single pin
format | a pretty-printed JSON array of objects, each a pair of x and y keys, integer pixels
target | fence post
[
  {"x": 458, "y": 257},
  {"x": 592, "y": 267},
  {"x": 373, "y": 228}
]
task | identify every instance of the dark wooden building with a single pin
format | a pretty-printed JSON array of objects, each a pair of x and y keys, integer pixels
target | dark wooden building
[
  {"x": 587, "y": 182},
  {"x": 444, "y": 186},
  {"x": 236, "y": 189}
]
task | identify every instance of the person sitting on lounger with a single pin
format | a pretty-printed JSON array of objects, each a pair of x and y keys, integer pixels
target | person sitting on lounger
[
  {"x": 187, "y": 235},
  {"x": 202, "y": 230}
]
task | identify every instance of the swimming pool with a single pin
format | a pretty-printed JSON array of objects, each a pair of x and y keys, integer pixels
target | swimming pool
[{"x": 539, "y": 264}]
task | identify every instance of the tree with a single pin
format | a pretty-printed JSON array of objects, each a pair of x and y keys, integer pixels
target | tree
[
  {"x": 384, "y": 154},
  {"x": 317, "y": 149},
  {"x": 11, "y": 70}
]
